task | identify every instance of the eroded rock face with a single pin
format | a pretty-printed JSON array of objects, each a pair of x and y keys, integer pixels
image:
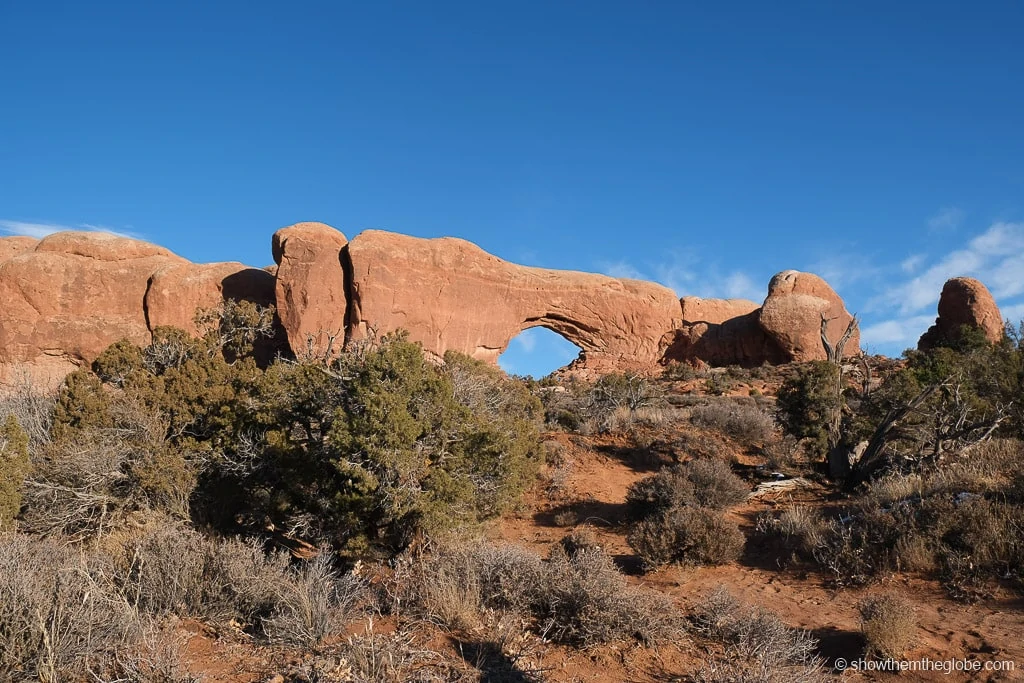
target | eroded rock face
[
  {"x": 964, "y": 302},
  {"x": 452, "y": 295},
  {"x": 14, "y": 245},
  {"x": 70, "y": 296},
  {"x": 722, "y": 332},
  {"x": 311, "y": 300},
  {"x": 178, "y": 291},
  {"x": 714, "y": 311},
  {"x": 791, "y": 316}
]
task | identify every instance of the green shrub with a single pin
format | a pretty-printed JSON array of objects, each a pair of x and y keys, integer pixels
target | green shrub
[
  {"x": 807, "y": 403},
  {"x": 14, "y": 467},
  {"x": 364, "y": 452}
]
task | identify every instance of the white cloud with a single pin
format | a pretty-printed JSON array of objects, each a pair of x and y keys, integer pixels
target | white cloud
[
  {"x": 995, "y": 257},
  {"x": 41, "y": 230},
  {"x": 739, "y": 285},
  {"x": 37, "y": 230},
  {"x": 527, "y": 340},
  {"x": 912, "y": 263},
  {"x": 685, "y": 275},
  {"x": 1014, "y": 312},
  {"x": 898, "y": 331},
  {"x": 621, "y": 269},
  {"x": 849, "y": 269},
  {"x": 947, "y": 219}
]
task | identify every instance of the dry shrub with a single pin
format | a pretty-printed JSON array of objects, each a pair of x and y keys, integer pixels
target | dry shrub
[
  {"x": 587, "y": 601},
  {"x": 454, "y": 584},
  {"x": 760, "y": 647},
  {"x": 375, "y": 657},
  {"x": 313, "y": 603},
  {"x": 579, "y": 540},
  {"x": 178, "y": 571},
  {"x": 705, "y": 483},
  {"x": 88, "y": 482},
  {"x": 448, "y": 589},
  {"x": 889, "y": 625},
  {"x": 801, "y": 528},
  {"x": 745, "y": 423},
  {"x": 60, "y": 612},
  {"x": 699, "y": 444},
  {"x": 31, "y": 407},
  {"x": 578, "y": 598},
  {"x": 959, "y": 520},
  {"x": 155, "y": 658},
  {"x": 688, "y": 536}
]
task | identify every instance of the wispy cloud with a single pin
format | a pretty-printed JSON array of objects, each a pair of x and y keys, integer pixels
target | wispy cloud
[
  {"x": 684, "y": 274},
  {"x": 621, "y": 269},
  {"x": 527, "y": 341},
  {"x": 907, "y": 306},
  {"x": 995, "y": 257},
  {"x": 898, "y": 331},
  {"x": 912, "y": 263},
  {"x": 948, "y": 219},
  {"x": 41, "y": 230}
]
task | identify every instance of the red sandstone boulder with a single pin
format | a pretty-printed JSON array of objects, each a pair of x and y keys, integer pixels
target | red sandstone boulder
[
  {"x": 69, "y": 297},
  {"x": 791, "y": 316},
  {"x": 311, "y": 300},
  {"x": 451, "y": 295},
  {"x": 15, "y": 244},
  {"x": 177, "y": 292},
  {"x": 964, "y": 302}
]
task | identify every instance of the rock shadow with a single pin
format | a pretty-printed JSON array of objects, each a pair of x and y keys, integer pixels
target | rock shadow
[
  {"x": 595, "y": 512},
  {"x": 494, "y": 665},
  {"x": 835, "y": 643}
]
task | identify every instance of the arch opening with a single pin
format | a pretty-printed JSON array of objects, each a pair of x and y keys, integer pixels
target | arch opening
[{"x": 537, "y": 352}]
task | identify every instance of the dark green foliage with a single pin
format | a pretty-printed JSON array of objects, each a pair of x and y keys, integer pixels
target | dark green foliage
[
  {"x": 117, "y": 363},
  {"x": 364, "y": 452},
  {"x": 808, "y": 403},
  {"x": 14, "y": 467}
]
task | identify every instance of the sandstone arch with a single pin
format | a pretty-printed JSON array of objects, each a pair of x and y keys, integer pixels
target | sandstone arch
[
  {"x": 452, "y": 295},
  {"x": 538, "y": 351}
]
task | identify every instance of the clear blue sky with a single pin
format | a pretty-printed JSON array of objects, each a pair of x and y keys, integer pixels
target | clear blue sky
[{"x": 878, "y": 144}]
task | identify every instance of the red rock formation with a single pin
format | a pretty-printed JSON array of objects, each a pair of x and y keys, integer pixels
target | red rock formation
[
  {"x": 714, "y": 311},
  {"x": 964, "y": 302},
  {"x": 311, "y": 300},
  {"x": 791, "y": 316},
  {"x": 14, "y": 245},
  {"x": 69, "y": 297},
  {"x": 722, "y": 332},
  {"x": 450, "y": 294},
  {"x": 178, "y": 291}
]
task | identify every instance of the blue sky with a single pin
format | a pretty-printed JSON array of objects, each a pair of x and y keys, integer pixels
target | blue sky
[{"x": 877, "y": 144}]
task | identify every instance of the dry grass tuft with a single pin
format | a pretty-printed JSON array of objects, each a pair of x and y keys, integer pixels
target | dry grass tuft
[{"x": 889, "y": 625}]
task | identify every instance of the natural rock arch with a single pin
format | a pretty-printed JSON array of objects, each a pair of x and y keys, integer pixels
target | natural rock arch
[
  {"x": 538, "y": 351},
  {"x": 452, "y": 295}
]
